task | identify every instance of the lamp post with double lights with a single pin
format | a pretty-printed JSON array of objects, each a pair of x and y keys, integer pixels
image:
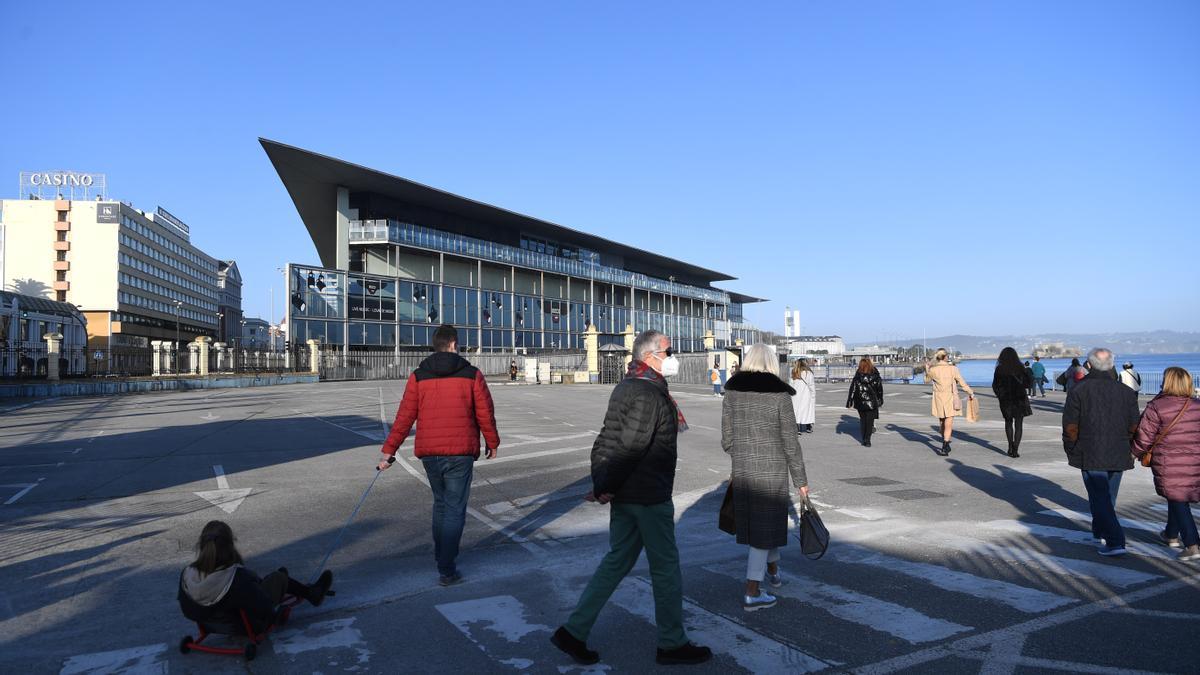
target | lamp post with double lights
[{"x": 178, "y": 306}]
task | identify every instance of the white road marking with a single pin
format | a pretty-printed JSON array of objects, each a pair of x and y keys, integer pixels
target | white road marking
[
  {"x": 504, "y": 459},
  {"x": 1074, "y": 536},
  {"x": 224, "y": 498},
  {"x": 338, "y": 633},
  {"x": 145, "y": 660},
  {"x": 1069, "y": 569},
  {"x": 750, "y": 650},
  {"x": 503, "y": 615},
  {"x": 534, "y": 440},
  {"x": 1018, "y": 597},
  {"x": 98, "y": 435},
  {"x": 25, "y": 488},
  {"x": 899, "y": 621},
  {"x": 1086, "y": 519}
]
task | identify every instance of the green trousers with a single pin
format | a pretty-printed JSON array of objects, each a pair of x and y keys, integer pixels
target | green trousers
[{"x": 631, "y": 528}]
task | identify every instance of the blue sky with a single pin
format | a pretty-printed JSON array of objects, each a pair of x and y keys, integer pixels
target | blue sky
[{"x": 886, "y": 167}]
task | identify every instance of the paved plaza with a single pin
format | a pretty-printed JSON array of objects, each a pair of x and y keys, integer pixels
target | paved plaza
[{"x": 969, "y": 563}]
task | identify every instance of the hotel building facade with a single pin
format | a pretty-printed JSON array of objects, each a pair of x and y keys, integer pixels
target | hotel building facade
[
  {"x": 399, "y": 258},
  {"x": 134, "y": 275}
]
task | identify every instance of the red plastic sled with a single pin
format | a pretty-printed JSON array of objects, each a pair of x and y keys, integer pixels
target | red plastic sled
[{"x": 254, "y": 638}]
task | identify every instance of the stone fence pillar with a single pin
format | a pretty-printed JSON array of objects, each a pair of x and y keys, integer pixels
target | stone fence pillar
[
  {"x": 157, "y": 346},
  {"x": 221, "y": 353},
  {"x": 710, "y": 342},
  {"x": 53, "y": 349},
  {"x": 629, "y": 336},
  {"x": 193, "y": 358},
  {"x": 314, "y": 356},
  {"x": 591, "y": 340},
  {"x": 204, "y": 342}
]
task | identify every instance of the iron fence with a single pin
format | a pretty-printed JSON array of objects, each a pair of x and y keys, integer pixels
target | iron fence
[
  {"x": 75, "y": 362},
  {"x": 353, "y": 364}
]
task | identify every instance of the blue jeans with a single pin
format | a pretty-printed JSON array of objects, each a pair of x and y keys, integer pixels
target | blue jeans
[
  {"x": 450, "y": 481},
  {"x": 1180, "y": 523},
  {"x": 1102, "y": 489}
]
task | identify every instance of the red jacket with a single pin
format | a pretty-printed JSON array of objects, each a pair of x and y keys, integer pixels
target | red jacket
[{"x": 451, "y": 399}]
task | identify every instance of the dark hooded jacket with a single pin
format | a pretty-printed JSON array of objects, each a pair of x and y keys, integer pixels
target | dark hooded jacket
[
  {"x": 215, "y": 600},
  {"x": 633, "y": 457},
  {"x": 452, "y": 401},
  {"x": 1098, "y": 421}
]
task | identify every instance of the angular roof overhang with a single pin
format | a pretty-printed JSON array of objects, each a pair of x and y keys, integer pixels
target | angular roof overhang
[{"x": 312, "y": 179}]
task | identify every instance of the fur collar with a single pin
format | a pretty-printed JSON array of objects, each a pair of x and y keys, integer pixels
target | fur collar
[{"x": 763, "y": 383}]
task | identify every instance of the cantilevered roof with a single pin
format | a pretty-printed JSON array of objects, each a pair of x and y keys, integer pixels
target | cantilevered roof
[
  {"x": 744, "y": 299},
  {"x": 35, "y": 303},
  {"x": 312, "y": 180}
]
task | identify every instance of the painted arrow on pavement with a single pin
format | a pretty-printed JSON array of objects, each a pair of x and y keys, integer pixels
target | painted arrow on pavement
[{"x": 224, "y": 497}]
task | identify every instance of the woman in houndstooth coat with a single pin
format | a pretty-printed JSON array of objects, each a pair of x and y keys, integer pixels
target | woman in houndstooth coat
[{"x": 758, "y": 430}]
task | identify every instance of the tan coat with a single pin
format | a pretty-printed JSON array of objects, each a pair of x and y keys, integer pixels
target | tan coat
[{"x": 942, "y": 376}]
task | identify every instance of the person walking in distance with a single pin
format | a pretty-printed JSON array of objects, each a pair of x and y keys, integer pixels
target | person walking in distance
[
  {"x": 633, "y": 469},
  {"x": 1029, "y": 372},
  {"x": 804, "y": 402},
  {"x": 1130, "y": 377},
  {"x": 758, "y": 426},
  {"x": 1170, "y": 433},
  {"x": 512, "y": 371},
  {"x": 714, "y": 376},
  {"x": 1038, "y": 372},
  {"x": 1011, "y": 383},
  {"x": 866, "y": 396},
  {"x": 451, "y": 400},
  {"x": 1099, "y": 419},
  {"x": 945, "y": 380}
]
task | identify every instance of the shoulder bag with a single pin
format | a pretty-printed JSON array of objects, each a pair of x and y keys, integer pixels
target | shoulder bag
[
  {"x": 1149, "y": 454},
  {"x": 814, "y": 537}
]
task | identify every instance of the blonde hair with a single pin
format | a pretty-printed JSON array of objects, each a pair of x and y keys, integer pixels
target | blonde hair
[
  {"x": 798, "y": 369},
  {"x": 760, "y": 358},
  {"x": 941, "y": 354},
  {"x": 1177, "y": 382}
]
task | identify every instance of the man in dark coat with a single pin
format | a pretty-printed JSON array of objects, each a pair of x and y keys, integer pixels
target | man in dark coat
[
  {"x": 1099, "y": 420},
  {"x": 633, "y": 467},
  {"x": 453, "y": 402}
]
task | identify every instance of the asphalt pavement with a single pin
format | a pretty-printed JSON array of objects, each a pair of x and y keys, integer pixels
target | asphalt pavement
[{"x": 975, "y": 562}]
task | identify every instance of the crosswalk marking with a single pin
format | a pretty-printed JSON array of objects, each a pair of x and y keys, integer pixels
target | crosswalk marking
[
  {"x": 1086, "y": 518},
  {"x": 1066, "y": 568},
  {"x": 887, "y": 617},
  {"x": 145, "y": 660},
  {"x": 334, "y": 634},
  {"x": 753, "y": 651},
  {"x": 1016, "y": 596},
  {"x": 503, "y": 615},
  {"x": 1073, "y": 536}
]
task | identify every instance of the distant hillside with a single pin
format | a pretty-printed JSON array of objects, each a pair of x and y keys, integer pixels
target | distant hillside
[{"x": 1148, "y": 342}]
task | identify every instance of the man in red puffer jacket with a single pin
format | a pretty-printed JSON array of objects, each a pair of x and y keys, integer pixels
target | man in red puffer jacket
[{"x": 452, "y": 400}]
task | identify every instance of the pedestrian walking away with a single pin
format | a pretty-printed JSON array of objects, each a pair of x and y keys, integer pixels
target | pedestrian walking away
[
  {"x": 945, "y": 380},
  {"x": 512, "y": 371},
  {"x": 758, "y": 424},
  {"x": 804, "y": 402},
  {"x": 1098, "y": 422},
  {"x": 633, "y": 470},
  {"x": 1011, "y": 383},
  {"x": 1029, "y": 372},
  {"x": 1074, "y": 373},
  {"x": 866, "y": 397},
  {"x": 1130, "y": 377},
  {"x": 1168, "y": 438},
  {"x": 451, "y": 400},
  {"x": 714, "y": 376},
  {"x": 217, "y": 587},
  {"x": 1038, "y": 371}
]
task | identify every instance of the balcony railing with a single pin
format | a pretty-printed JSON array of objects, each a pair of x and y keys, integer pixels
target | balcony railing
[{"x": 395, "y": 232}]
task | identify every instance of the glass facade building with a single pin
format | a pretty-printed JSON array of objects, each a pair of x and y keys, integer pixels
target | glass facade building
[{"x": 407, "y": 258}]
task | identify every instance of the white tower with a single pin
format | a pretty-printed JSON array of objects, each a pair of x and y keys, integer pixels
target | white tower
[{"x": 791, "y": 322}]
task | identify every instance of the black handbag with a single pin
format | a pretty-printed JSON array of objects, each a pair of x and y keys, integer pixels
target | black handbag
[
  {"x": 725, "y": 521},
  {"x": 814, "y": 537}
]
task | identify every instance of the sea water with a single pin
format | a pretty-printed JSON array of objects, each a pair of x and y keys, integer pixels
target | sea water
[{"x": 979, "y": 371}]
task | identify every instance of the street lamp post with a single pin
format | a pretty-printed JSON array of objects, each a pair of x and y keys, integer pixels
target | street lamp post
[{"x": 178, "y": 305}]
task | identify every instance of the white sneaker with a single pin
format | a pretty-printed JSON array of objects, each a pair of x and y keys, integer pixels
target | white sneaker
[
  {"x": 774, "y": 580},
  {"x": 763, "y": 600}
]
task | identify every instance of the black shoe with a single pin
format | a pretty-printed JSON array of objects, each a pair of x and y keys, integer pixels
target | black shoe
[
  {"x": 945, "y": 448},
  {"x": 867, "y": 443},
  {"x": 450, "y": 580},
  {"x": 688, "y": 655},
  {"x": 1015, "y": 454},
  {"x": 574, "y": 647},
  {"x": 317, "y": 592}
]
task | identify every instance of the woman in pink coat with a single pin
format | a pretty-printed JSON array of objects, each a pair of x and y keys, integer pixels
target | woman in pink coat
[{"x": 1173, "y": 417}]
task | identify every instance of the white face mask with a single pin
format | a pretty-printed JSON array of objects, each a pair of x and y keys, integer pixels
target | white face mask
[{"x": 670, "y": 367}]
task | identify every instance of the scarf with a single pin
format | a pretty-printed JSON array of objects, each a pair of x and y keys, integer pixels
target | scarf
[{"x": 640, "y": 371}]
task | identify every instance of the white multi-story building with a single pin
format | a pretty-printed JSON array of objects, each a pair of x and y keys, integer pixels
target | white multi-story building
[
  {"x": 134, "y": 275},
  {"x": 831, "y": 345}
]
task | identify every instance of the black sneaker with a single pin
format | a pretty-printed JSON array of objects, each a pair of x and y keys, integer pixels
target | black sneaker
[
  {"x": 450, "y": 580},
  {"x": 317, "y": 592},
  {"x": 574, "y": 647},
  {"x": 687, "y": 655}
]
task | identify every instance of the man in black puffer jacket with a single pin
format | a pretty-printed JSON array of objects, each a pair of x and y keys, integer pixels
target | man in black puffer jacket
[
  {"x": 633, "y": 467},
  {"x": 1099, "y": 419}
]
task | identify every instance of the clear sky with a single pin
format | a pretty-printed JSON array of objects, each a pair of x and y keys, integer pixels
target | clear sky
[{"x": 886, "y": 167}]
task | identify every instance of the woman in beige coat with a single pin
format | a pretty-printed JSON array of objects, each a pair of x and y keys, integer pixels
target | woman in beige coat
[{"x": 943, "y": 376}]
